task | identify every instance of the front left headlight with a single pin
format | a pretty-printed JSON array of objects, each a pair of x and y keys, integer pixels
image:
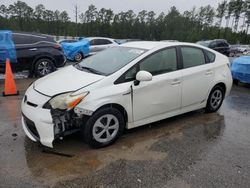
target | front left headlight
[{"x": 65, "y": 101}]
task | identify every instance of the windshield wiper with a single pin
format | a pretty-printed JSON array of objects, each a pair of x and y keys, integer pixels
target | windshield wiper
[{"x": 78, "y": 66}]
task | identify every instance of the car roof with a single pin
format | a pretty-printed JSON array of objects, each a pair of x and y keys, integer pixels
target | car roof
[{"x": 148, "y": 45}]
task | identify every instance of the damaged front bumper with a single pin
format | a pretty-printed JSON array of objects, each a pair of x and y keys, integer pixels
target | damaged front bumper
[
  {"x": 37, "y": 124},
  {"x": 45, "y": 125}
]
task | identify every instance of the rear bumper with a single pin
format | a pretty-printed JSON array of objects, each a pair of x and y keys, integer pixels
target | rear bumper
[{"x": 60, "y": 60}]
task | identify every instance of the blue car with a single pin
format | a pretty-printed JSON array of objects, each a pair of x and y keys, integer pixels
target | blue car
[
  {"x": 240, "y": 69},
  {"x": 76, "y": 51}
]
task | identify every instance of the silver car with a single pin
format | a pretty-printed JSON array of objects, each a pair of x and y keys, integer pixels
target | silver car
[{"x": 98, "y": 44}]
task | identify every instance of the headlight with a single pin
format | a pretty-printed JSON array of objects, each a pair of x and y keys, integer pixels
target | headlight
[{"x": 65, "y": 101}]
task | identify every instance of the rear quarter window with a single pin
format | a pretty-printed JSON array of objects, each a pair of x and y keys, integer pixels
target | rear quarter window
[{"x": 210, "y": 56}]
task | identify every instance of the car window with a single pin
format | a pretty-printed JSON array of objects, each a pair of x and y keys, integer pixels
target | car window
[
  {"x": 26, "y": 39},
  {"x": 130, "y": 75},
  {"x": 225, "y": 44},
  {"x": 211, "y": 56},
  {"x": 102, "y": 42},
  {"x": 92, "y": 42},
  {"x": 161, "y": 62},
  {"x": 158, "y": 63},
  {"x": 213, "y": 44},
  {"x": 105, "y": 41},
  {"x": 111, "y": 60},
  {"x": 220, "y": 44},
  {"x": 204, "y": 43},
  {"x": 19, "y": 39},
  {"x": 192, "y": 57}
]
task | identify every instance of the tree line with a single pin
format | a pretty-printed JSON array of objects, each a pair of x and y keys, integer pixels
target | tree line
[{"x": 229, "y": 20}]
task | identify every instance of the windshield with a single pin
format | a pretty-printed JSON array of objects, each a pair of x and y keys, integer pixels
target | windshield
[{"x": 110, "y": 60}]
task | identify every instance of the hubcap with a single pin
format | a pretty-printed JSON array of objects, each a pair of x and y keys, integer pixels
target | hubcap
[
  {"x": 44, "y": 68},
  {"x": 78, "y": 57},
  {"x": 216, "y": 99},
  {"x": 105, "y": 128}
]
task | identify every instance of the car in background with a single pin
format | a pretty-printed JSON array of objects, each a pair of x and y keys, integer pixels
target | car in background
[
  {"x": 38, "y": 53},
  {"x": 219, "y": 45},
  {"x": 76, "y": 50},
  {"x": 169, "y": 41},
  {"x": 240, "y": 69},
  {"x": 122, "y": 41},
  {"x": 98, "y": 44},
  {"x": 66, "y": 40},
  {"x": 125, "y": 86},
  {"x": 244, "y": 48},
  {"x": 234, "y": 51}
]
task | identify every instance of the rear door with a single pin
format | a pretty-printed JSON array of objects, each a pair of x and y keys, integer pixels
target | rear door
[{"x": 197, "y": 76}]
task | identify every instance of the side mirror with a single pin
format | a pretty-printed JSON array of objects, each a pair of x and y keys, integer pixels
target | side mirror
[{"x": 143, "y": 76}]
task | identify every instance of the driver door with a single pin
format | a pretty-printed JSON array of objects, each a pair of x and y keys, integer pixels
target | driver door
[{"x": 163, "y": 93}]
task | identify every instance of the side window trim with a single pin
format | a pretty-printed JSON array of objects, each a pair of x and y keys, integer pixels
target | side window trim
[{"x": 121, "y": 79}]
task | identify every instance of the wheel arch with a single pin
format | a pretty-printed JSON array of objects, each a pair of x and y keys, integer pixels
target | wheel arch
[
  {"x": 41, "y": 57},
  {"x": 80, "y": 52},
  {"x": 118, "y": 107},
  {"x": 221, "y": 84}
]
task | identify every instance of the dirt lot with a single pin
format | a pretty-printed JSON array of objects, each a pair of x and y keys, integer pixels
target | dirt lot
[{"x": 191, "y": 150}]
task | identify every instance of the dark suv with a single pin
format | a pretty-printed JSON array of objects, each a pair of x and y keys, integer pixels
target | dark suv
[
  {"x": 219, "y": 45},
  {"x": 38, "y": 53}
]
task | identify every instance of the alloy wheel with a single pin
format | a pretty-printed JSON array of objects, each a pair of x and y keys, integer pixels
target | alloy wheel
[
  {"x": 105, "y": 128},
  {"x": 216, "y": 99},
  {"x": 44, "y": 68},
  {"x": 78, "y": 57}
]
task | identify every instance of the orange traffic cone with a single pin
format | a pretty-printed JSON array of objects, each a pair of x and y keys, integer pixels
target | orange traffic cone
[{"x": 9, "y": 84}]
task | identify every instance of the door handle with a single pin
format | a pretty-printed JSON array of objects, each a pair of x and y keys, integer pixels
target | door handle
[
  {"x": 33, "y": 49},
  {"x": 209, "y": 72},
  {"x": 127, "y": 93},
  {"x": 176, "y": 82}
]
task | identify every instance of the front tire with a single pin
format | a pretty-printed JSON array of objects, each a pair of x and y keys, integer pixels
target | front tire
[
  {"x": 215, "y": 99},
  {"x": 103, "y": 128}
]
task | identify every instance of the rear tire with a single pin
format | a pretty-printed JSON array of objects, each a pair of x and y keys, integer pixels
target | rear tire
[
  {"x": 215, "y": 99},
  {"x": 103, "y": 128},
  {"x": 43, "y": 67}
]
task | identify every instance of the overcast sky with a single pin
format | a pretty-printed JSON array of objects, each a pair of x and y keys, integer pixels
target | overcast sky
[{"x": 118, "y": 5}]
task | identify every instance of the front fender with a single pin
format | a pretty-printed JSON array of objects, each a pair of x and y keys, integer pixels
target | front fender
[{"x": 88, "y": 107}]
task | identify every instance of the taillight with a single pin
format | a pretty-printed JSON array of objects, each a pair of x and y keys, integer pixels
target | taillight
[{"x": 58, "y": 46}]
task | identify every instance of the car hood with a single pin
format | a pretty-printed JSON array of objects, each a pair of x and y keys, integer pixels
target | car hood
[{"x": 65, "y": 80}]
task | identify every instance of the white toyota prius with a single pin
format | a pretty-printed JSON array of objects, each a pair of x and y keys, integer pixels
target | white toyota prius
[{"x": 125, "y": 87}]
